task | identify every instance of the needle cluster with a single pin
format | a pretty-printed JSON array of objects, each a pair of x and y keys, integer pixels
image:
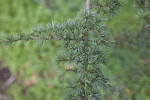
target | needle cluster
[{"x": 144, "y": 9}]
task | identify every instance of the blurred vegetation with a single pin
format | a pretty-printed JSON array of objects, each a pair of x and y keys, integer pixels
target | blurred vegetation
[{"x": 33, "y": 63}]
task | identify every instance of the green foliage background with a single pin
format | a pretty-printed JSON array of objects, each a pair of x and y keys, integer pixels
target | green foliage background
[{"x": 36, "y": 60}]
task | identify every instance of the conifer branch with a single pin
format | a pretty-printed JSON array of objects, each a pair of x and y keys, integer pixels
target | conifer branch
[
  {"x": 27, "y": 39},
  {"x": 83, "y": 37}
]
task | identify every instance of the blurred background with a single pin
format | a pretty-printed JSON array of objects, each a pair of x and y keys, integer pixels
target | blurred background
[{"x": 33, "y": 65}]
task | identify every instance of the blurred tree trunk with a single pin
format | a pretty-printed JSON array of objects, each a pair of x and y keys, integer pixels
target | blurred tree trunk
[{"x": 47, "y": 2}]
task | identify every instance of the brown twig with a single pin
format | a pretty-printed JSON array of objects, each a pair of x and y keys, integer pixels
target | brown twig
[{"x": 7, "y": 83}]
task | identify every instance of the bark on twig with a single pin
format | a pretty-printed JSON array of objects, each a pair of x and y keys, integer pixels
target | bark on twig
[{"x": 88, "y": 5}]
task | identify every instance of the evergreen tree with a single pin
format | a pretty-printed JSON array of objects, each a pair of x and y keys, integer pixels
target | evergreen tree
[{"x": 85, "y": 45}]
